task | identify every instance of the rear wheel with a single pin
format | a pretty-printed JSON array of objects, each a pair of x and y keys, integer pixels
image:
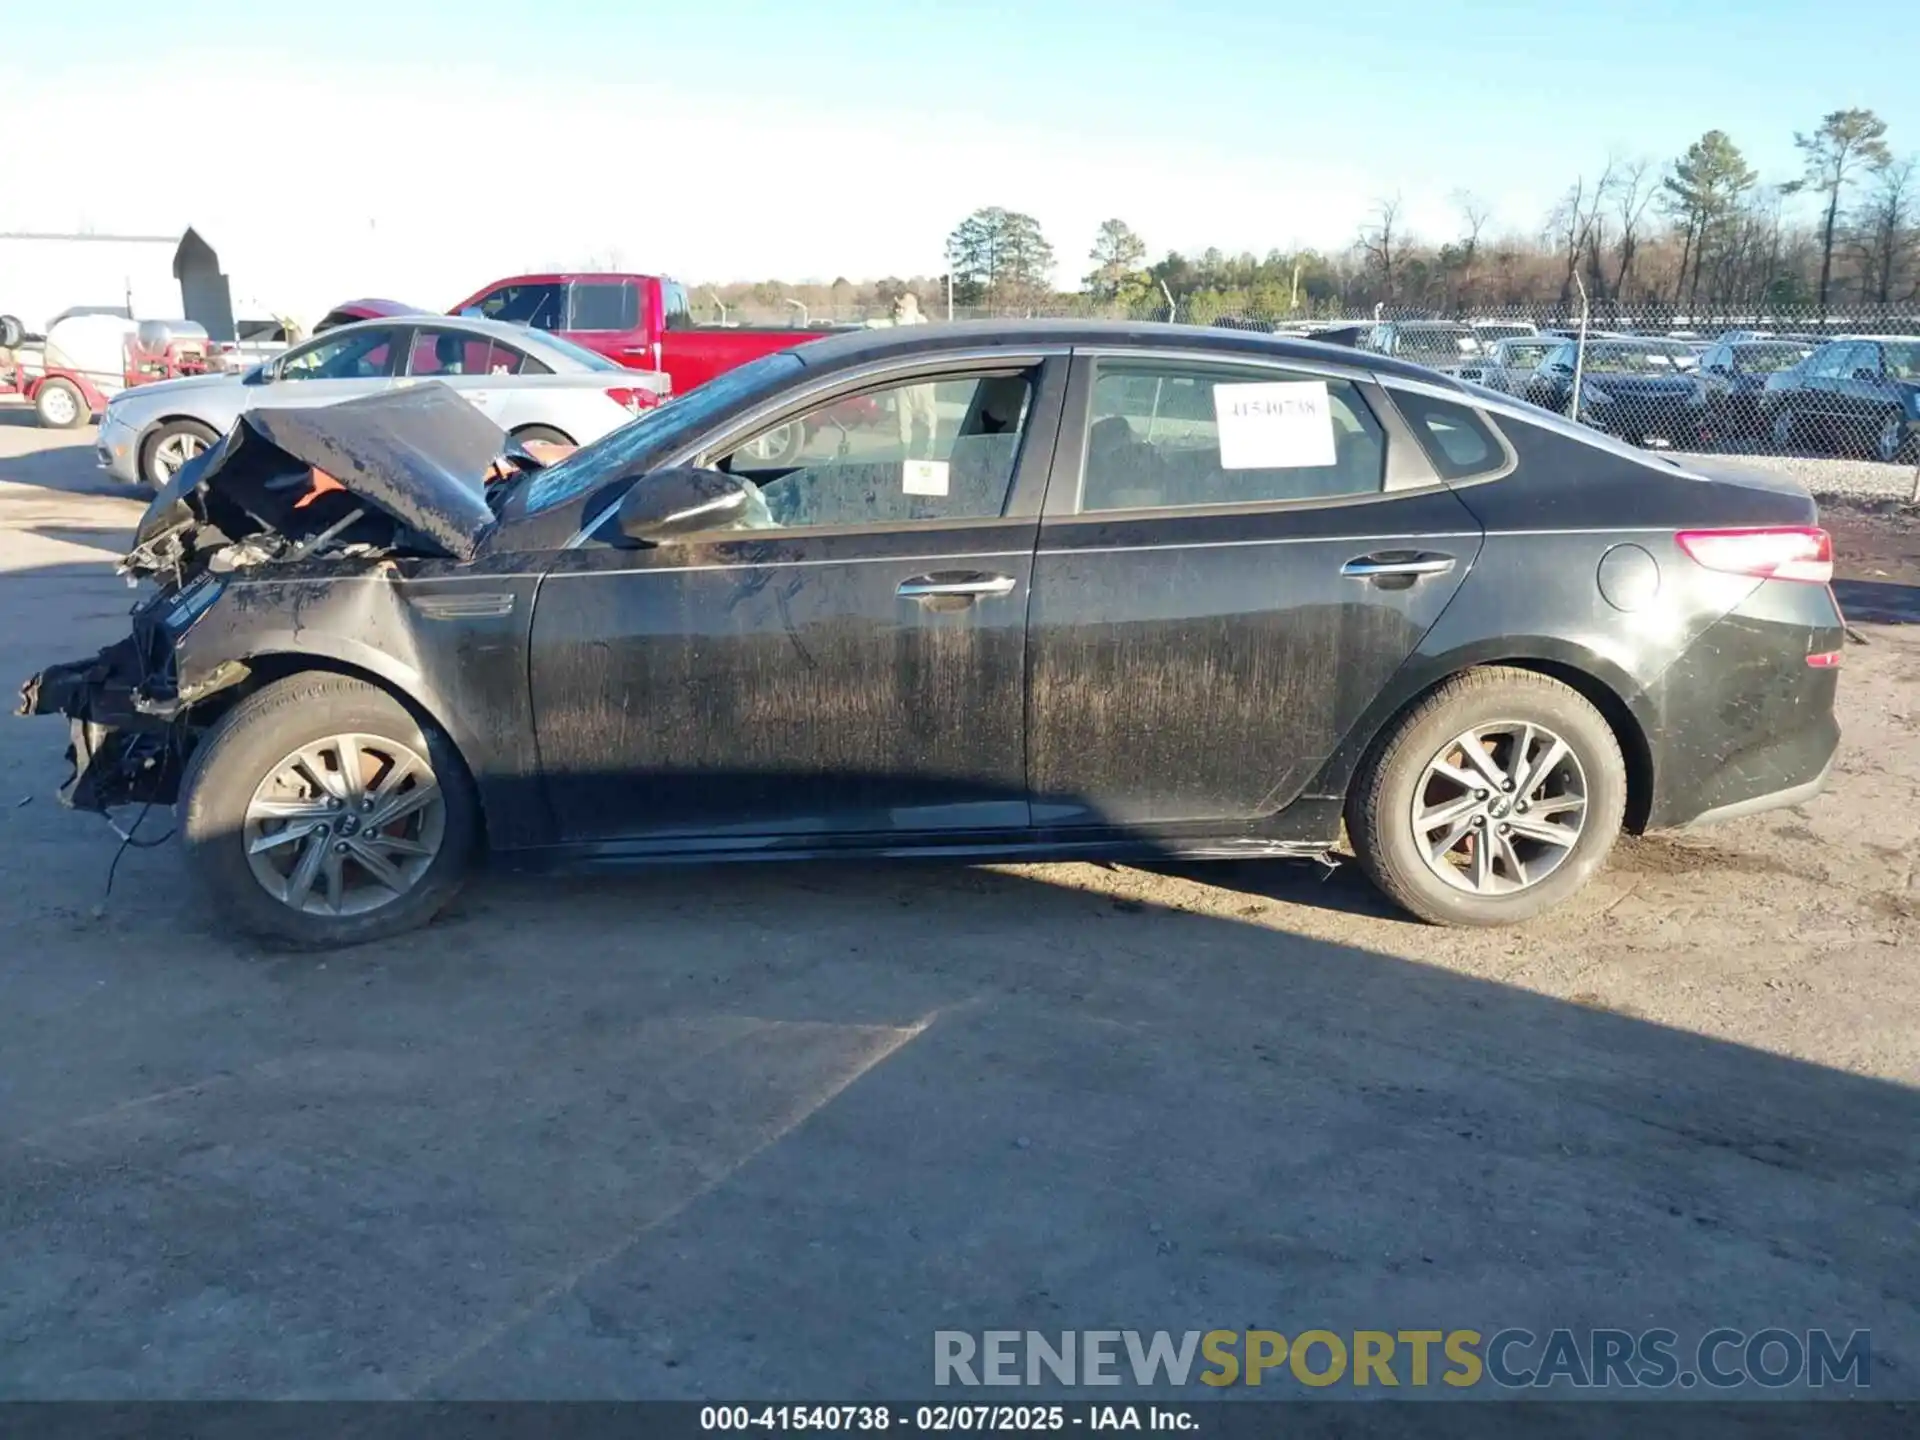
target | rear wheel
[
  {"x": 319, "y": 812},
  {"x": 12, "y": 332},
  {"x": 59, "y": 405},
  {"x": 1785, "y": 429},
  {"x": 1497, "y": 797},
  {"x": 170, "y": 447},
  {"x": 1890, "y": 440}
]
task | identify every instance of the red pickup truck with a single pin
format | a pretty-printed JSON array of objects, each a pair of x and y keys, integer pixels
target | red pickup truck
[{"x": 640, "y": 321}]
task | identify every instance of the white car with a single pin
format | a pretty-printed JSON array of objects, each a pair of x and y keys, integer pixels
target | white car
[{"x": 534, "y": 386}]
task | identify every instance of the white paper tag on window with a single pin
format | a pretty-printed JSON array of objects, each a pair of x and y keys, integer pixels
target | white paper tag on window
[
  {"x": 1274, "y": 425},
  {"x": 924, "y": 477}
]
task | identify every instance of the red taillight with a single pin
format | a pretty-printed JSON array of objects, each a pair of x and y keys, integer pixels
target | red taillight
[
  {"x": 634, "y": 400},
  {"x": 1825, "y": 660},
  {"x": 1787, "y": 553}
]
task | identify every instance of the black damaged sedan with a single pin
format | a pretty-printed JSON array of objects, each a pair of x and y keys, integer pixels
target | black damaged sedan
[{"x": 1009, "y": 590}]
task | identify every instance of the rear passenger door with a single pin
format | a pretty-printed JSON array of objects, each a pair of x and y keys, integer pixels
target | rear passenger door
[{"x": 1233, "y": 560}]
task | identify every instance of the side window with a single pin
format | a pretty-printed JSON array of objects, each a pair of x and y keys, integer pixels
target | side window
[
  {"x": 1455, "y": 438},
  {"x": 343, "y": 355},
  {"x": 1825, "y": 365},
  {"x": 1864, "y": 357},
  {"x": 928, "y": 451},
  {"x": 676, "y": 315},
  {"x": 506, "y": 360},
  {"x": 1173, "y": 435},
  {"x": 604, "y": 305},
  {"x": 447, "y": 353},
  {"x": 540, "y": 306}
]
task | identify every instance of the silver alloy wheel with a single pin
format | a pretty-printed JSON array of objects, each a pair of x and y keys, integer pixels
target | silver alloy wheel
[
  {"x": 1500, "y": 807},
  {"x": 345, "y": 825},
  {"x": 1892, "y": 436},
  {"x": 58, "y": 406},
  {"x": 173, "y": 452},
  {"x": 778, "y": 445}
]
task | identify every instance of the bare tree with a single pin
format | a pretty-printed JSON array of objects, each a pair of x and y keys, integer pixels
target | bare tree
[
  {"x": 1635, "y": 183},
  {"x": 1572, "y": 224},
  {"x": 1378, "y": 241},
  {"x": 1884, "y": 233}
]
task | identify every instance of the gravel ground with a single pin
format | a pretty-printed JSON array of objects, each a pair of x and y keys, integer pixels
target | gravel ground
[
  {"x": 765, "y": 1131},
  {"x": 1830, "y": 476}
]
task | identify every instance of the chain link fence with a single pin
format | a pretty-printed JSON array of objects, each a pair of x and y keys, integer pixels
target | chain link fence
[{"x": 1795, "y": 383}]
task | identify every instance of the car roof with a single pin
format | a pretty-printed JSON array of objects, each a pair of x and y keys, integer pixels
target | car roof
[
  {"x": 860, "y": 346},
  {"x": 517, "y": 335}
]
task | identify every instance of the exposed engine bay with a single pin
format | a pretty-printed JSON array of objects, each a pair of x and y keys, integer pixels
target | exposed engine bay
[{"x": 325, "y": 495}]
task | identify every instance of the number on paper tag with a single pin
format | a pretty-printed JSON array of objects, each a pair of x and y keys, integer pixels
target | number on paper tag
[
  {"x": 1274, "y": 425},
  {"x": 924, "y": 477}
]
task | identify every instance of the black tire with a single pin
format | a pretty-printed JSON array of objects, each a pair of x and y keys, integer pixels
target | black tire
[
  {"x": 1785, "y": 428},
  {"x": 249, "y": 742},
  {"x": 1380, "y": 819},
  {"x": 544, "y": 433},
  {"x": 150, "y": 447},
  {"x": 53, "y": 414},
  {"x": 12, "y": 332}
]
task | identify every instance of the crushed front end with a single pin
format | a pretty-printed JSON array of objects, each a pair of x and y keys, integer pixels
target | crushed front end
[
  {"x": 314, "y": 494},
  {"x": 128, "y": 743}
]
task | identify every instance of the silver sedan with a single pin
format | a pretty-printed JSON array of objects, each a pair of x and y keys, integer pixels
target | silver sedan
[{"x": 534, "y": 386}]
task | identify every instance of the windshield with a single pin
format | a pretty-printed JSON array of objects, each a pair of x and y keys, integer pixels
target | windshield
[
  {"x": 660, "y": 429},
  {"x": 1527, "y": 355},
  {"x": 1767, "y": 359},
  {"x": 587, "y": 359},
  {"x": 1637, "y": 359}
]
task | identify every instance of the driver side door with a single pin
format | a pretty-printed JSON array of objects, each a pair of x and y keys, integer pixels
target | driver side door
[
  {"x": 346, "y": 364},
  {"x": 852, "y": 669}
]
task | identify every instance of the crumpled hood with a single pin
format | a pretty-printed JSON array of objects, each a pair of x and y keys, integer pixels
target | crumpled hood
[{"x": 419, "y": 456}]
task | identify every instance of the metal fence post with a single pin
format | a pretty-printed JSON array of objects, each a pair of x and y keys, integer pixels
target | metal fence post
[{"x": 1579, "y": 350}]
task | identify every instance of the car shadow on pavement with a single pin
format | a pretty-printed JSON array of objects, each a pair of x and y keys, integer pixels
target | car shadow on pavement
[{"x": 66, "y": 468}]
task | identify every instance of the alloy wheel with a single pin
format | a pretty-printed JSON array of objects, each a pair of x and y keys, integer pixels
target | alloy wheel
[
  {"x": 1500, "y": 807},
  {"x": 345, "y": 825},
  {"x": 1891, "y": 437},
  {"x": 173, "y": 452}
]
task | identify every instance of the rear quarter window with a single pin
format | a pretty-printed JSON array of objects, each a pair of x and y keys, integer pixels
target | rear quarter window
[{"x": 1458, "y": 442}]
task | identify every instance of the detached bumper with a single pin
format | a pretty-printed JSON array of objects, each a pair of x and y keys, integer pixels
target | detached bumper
[{"x": 117, "y": 754}]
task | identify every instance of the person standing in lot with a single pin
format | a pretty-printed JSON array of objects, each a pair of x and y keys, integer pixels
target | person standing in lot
[{"x": 913, "y": 404}]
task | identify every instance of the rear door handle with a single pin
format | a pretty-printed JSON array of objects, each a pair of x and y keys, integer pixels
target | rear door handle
[
  {"x": 1383, "y": 567},
  {"x": 955, "y": 585}
]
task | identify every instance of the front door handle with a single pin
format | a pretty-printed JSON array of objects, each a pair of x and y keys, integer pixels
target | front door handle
[
  {"x": 955, "y": 585},
  {"x": 1397, "y": 567}
]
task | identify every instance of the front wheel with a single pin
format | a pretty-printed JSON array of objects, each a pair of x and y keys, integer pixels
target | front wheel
[
  {"x": 1497, "y": 797},
  {"x": 170, "y": 447},
  {"x": 1784, "y": 428},
  {"x": 320, "y": 812}
]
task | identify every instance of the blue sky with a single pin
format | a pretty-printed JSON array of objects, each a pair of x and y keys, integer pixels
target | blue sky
[{"x": 428, "y": 145}]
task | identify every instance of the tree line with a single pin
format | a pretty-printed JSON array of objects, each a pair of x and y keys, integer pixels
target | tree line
[{"x": 1703, "y": 231}]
